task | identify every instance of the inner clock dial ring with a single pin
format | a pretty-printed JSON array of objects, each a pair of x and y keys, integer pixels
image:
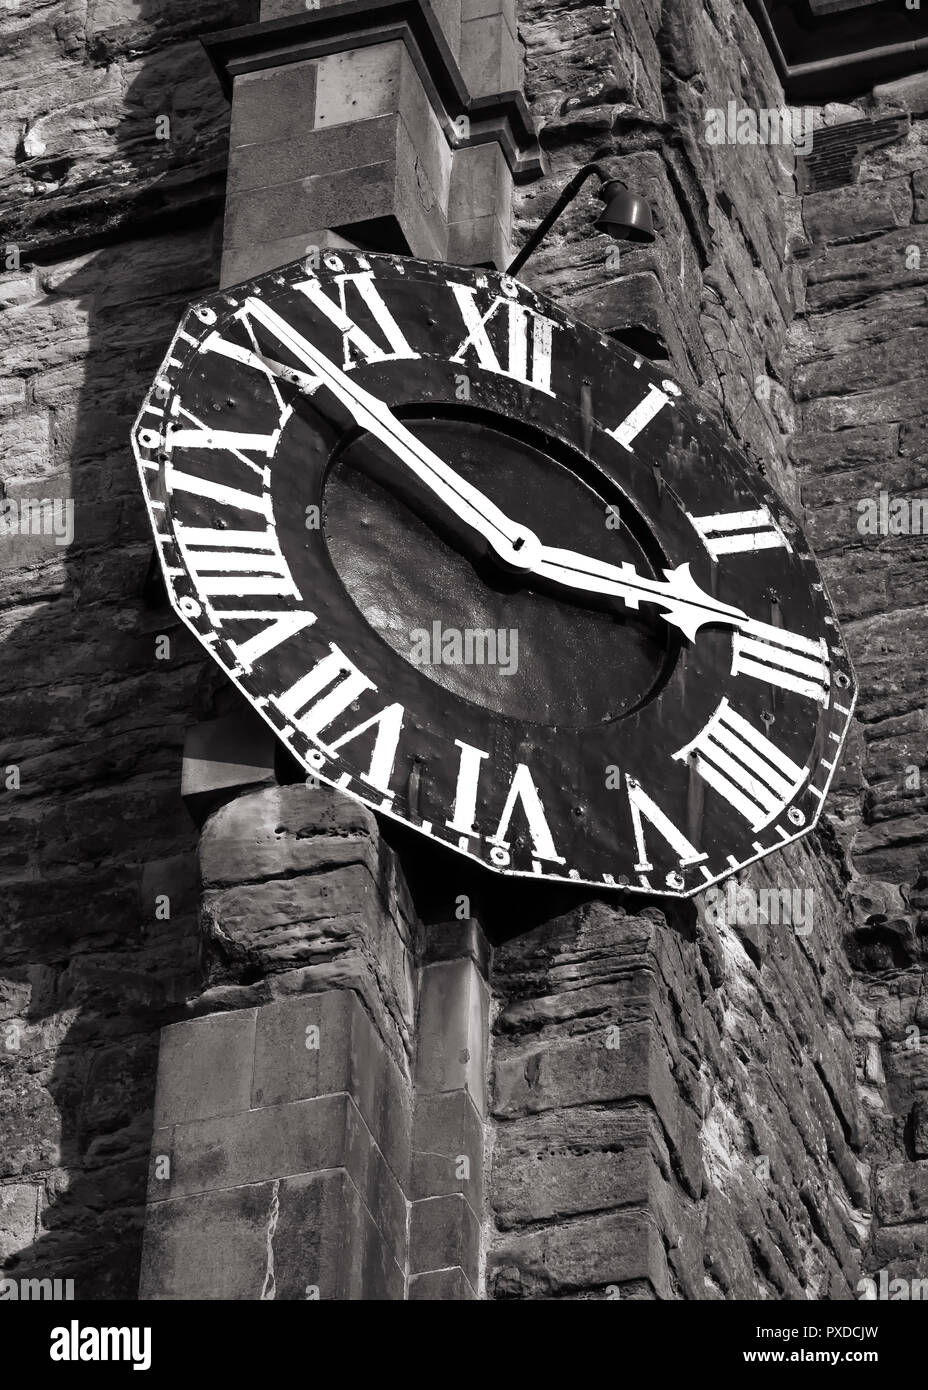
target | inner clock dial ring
[{"x": 433, "y": 591}]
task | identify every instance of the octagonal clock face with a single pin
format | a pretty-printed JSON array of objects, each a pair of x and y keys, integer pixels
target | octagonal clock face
[{"x": 491, "y": 574}]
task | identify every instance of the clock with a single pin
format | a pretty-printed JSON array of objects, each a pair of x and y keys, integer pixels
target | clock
[{"x": 491, "y": 574}]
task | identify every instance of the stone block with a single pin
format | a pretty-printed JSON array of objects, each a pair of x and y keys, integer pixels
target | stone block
[
  {"x": 448, "y": 15},
  {"x": 358, "y": 83},
  {"x": 554, "y": 1167},
  {"x": 447, "y": 1130},
  {"x": 453, "y": 1022},
  {"x": 327, "y": 200},
  {"x": 481, "y": 184},
  {"x": 276, "y": 103},
  {"x": 284, "y": 831},
  {"x": 920, "y": 1127},
  {"x": 443, "y": 1232},
  {"x": 902, "y": 1192},
  {"x": 441, "y": 1285},
  {"x": 905, "y": 94},
  {"x": 205, "y": 1068},
  {"x": 486, "y": 9},
  {"x": 281, "y": 1141},
  {"x": 425, "y": 132},
  {"x": 350, "y": 1058},
  {"x": 479, "y": 241},
  {"x": 325, "y": 151},
  {"x": 615, "y": 1248},
  {"x": 455, "y": 940},
  {"x": 849, "y": 274},
  {"x": 19, "y": 1214},
  {"x": 295, "y": 1238},
  {"x": 489, "y": 55},
  {"x": 840, "y": 214},
  {"x": 920, "y": 189},
  {"x": 416, "y": 204}
]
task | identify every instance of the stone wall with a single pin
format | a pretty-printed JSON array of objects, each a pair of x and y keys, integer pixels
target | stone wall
[
  {"x": 114, "y": 231},
  {"x": 861, "y": 447},
  {"x": 681, "y": 1107},
  {"x": 783, "y": 1109}
]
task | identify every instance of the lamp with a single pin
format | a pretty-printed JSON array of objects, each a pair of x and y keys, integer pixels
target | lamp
[{"x": 626, "y": 216}]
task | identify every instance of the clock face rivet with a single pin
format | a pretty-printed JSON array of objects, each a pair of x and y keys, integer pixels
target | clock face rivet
[{"x": 398, "y": 578}]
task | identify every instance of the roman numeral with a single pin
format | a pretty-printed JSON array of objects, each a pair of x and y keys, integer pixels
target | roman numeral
[
  {"x": 177, "y": 480},
  {"x": 279, "y": 626},
  {"x": 203, "y": 437},
  {"x": 644, "y": 808},
  {"x": 223, "y": 561},
  {"x": 327, "y": 691},
  {"x": 744, "y": 767},
  {"x": 352, "y": 335},
  {"x": 528, "y": 358},
  {"x": 644, "y": 413},
  {"x": 729, "y": 533},
  {"x": 782, "y": 658},
  {"x": 522, "y": 791}
]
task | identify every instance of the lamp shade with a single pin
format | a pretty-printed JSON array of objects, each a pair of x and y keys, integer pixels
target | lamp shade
[{"x": 626, "y": 216}]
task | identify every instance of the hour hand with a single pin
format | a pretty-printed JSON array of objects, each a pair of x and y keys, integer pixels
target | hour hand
[{"x": 682, "y": 602}]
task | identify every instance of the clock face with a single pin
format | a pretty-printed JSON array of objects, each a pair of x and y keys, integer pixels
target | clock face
[{"x": 491, "y": 574}]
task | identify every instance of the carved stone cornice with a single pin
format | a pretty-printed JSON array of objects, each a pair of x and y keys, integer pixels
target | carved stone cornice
[{"x": 351, "y": 24}]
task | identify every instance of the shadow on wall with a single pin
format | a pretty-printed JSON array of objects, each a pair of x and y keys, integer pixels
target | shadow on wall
[{"x": 98, "y": 938}]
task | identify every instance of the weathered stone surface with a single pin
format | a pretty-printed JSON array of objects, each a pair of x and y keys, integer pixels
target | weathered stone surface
[
  {"x": 841, "y": 214},
  {"x": 614, "y": 1248},
  {"x": 294, "y": 1238},
  {"x": 757, "y": 1030}
]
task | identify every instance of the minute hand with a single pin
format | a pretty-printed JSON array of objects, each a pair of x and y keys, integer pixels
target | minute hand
[
  {"x": 514, "y": 543},
  {"x": 679, "y": 596}
]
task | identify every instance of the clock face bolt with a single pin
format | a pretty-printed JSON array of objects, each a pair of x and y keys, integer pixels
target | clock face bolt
[
  {"x": 767, "y": 718},
  {"x": 796, "y": 816},
  {"x": 841, "y": 680}
]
